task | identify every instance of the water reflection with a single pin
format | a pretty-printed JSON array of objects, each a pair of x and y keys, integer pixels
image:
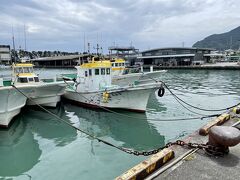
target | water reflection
[
  {"x": 18, "y": 148},
  {"x": 48, "y": 127},
  {"x": 132, "y": 133}
]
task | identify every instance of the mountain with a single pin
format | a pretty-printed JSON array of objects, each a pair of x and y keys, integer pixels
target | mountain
[{"x": 228, "y": 40}]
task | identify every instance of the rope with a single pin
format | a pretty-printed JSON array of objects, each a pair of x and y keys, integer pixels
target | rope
[
  {"x": 195, "y": 107},
  {"x": 133, "y": 117},
  {"x": 126, "y": 150},
  {"x": 68, "y": 123}
]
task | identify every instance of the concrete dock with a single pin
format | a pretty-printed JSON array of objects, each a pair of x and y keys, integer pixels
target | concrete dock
[{"x": 197, "y": 164}]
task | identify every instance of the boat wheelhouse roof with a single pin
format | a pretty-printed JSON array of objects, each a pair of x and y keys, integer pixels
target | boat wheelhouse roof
[
  {"x": 23, "y": 65},
  {"x": 97, "y": 64},
  {"x": 119, "y": 61}
]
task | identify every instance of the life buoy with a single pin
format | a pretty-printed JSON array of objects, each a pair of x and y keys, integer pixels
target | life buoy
[{"x": 161, "y": 92}]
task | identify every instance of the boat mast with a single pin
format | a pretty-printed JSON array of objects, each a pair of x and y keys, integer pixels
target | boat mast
[
  {"x": 14, "y": 51},
  {"x": 25, "y": 41},
  {"x": 84, "y": 43}
]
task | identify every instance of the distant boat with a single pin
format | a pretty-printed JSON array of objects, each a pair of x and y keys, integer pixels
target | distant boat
[
  {"x": 124, "y": 76},
  {"x": 2, "y": 66},
  {"x": 94, "y": 88}
]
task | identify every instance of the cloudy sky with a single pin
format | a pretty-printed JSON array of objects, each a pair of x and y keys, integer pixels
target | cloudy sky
[{"x": 61, "y": 24}]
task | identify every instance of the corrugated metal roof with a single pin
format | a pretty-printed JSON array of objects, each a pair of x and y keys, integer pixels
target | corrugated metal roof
[
  {"x": 171, "y": 48},
  {"x": 164, "y": 56}
]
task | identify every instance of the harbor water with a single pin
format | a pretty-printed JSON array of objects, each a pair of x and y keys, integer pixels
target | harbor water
[{"x": 38, "y": 146}]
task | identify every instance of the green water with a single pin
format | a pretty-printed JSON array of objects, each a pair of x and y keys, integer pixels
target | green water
[{"x": 40, "y": 146}]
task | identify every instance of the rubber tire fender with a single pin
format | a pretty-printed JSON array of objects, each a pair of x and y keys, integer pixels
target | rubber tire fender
[{"x": 161, "y": 91}]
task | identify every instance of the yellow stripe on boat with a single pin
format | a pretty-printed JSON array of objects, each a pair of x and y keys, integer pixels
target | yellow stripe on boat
[
  {"x": 23, "y": 65},
  {"x": 119, "y": 61},
  {"x": 118, "y": 68},
  {"x": 97, "y": 64},
  {"x": 25, "y": 74}
]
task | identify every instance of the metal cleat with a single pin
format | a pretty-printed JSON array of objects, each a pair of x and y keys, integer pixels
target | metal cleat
[{"x": 224, "y": 137}]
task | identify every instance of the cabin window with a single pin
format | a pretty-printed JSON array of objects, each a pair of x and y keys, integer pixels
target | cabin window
[
  {"x": 90, "y": 72},
  {"x": 102, "y": 71},
  {"x": 36, "y": 79},
  {"x": 108, "y": 70},
  {"x": 112, "y": 64},
  {"x": 18, "y": 70},
  {"x": 28, "y": 70},
  {"x": 86, "y": 74},
  {"x": 96, "y": 71},
  {"x": 30, "y": 79},
  {"x": 122, "y": 64},
  {"x": 23, "y": 80},
  {"x": 116, "y": 64}
]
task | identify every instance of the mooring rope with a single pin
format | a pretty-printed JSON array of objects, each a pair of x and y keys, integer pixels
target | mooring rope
[
  {"x": 193, "y": 106},
  {"x": 133, "y": 117},
  {"x": 126, "y": 150}
]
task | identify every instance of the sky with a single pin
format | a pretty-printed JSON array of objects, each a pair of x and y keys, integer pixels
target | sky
[{"x": 145, "y": 24}]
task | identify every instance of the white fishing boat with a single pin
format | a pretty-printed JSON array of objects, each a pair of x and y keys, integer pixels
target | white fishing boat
[
  {"x": 94, "y": 88},
  {"x": 123, "y": 76},
  {"x": 42, "y": 93},
  {"x": 11, "y": 103}
]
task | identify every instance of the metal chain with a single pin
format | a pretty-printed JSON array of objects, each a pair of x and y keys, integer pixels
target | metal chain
[{"x": 212, "y": 150}]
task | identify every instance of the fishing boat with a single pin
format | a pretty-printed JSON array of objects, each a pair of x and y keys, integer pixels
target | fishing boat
[
  {"x": 94, "y": 88},
  {"x": 124, "y": 76},
  {"x": 11, "y": 103},
  {"x": 39, "y": 92}
]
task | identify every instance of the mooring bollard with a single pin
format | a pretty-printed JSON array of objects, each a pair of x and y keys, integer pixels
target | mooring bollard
[
  {"x": 224, "y": 137},
  {"x": 236, "y": 110}
]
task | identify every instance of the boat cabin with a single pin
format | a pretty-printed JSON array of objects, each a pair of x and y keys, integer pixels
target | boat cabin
[
  {"x": 23, "y": 73},
  {"x": 118, "y": 66},
  {"x": 94, "y": 76}
]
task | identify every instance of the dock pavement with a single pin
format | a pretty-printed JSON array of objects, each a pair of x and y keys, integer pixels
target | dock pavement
[{"x": 192, "y": 163}]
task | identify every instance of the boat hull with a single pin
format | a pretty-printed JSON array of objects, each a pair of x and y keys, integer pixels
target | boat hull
[
  {"x": 11, "y": 103},
  {"x": 46, "y": 94},
  {"x": 134, "y": 99}
]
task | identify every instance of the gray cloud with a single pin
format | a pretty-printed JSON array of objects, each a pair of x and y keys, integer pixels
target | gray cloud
[{"x": 60, "y": 24}]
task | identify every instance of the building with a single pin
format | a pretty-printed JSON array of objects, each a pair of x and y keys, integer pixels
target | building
[
  {"x": 68, "y": 61},
  {"x": 175, "y": 56},
  {"x": 5, "y": 56},
  {"x": 128, "y": 53}
]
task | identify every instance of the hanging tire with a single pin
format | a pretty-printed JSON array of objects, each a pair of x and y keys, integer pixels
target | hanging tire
[{"x": 161, "y": 92}]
